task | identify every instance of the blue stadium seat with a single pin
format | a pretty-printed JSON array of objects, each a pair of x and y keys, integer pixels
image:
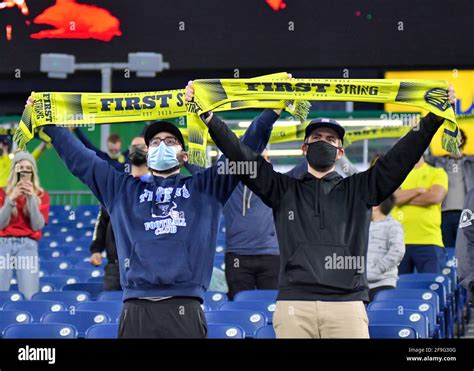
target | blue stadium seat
[
  {"x": 416, "y": 305},
  {"x": 36, "y": 308},
  {"x": 75, "y": 260},
  {"x": 81, "y": 320},
  {"x": 265, "y": 332},
  {"x": 110, "y": 296},
  {"x": 96, "y": 279},
  {"x": 40, "y": 331},
  {"x": 10, "y": 297},
  {"x": 47, "y": 254},
  {"x": 381, "y": 331},
  {"x": 450, "y": 253},
  {"x": 94, "y": 289},
  {"x": 59, "y": 281},
  {"x": 446, "y": 306},
  {"x": 415, "y": 294},
  {"x": 225, "y": 331},
  {"x": 213, "y": 299},
  {"x": 87, "y": 265},
  {"x": 112, "y": 308},
  {"x": 251, "y": 295},
  {"x": 11, "y": 317},
  {"x": 219, "y": 262},
  {"x": 54, "y": 265},
  {"x": 44, "y": 287},
  {"x": 249, "y": 320},
  {"x": 70, "y": 298},
  {"x": 108, "y": 331},
  {"x": 266, "y": 307},
  {"x": 83, "y": 274},
  {"x": 416, "y": 320}
]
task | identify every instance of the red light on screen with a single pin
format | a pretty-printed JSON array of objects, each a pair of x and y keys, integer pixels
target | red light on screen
[
  {"x": 77, "y": 21},
  {"x": 276, "y": 4},
  {"x": 8, "y": 30}
]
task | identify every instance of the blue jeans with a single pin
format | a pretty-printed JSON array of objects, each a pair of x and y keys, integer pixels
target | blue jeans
[
  {"x": 19, "y": 254},
  {"x": 425, "y": 258}
]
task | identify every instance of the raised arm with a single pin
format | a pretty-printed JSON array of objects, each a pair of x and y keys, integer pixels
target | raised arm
[
  {"x": 266, "y": 183},
  {"x": 102, "y": 179},
  {"x": 389, "y": 172},
  {"x": 219, "y": 179}
]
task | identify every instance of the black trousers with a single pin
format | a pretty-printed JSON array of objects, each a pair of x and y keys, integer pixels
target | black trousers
[
  {"x": 177, "y": 317},
  {"x": 250, "y": 272},
  {"x": 112, "y": 277}
]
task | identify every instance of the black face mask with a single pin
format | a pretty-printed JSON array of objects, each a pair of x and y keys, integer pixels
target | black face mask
[
  {"x": 321, "y": 155},
  {"x": 137, "y": 156}
]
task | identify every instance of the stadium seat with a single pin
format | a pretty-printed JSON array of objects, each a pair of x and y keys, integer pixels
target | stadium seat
[
  {"x": 87, "y": 265},
  {"x": 54, "y": 265},
  {"x": 225, "y": 331},
  {"x": 213, "y": 299},
  {"x": 416, "y": 305},
  {"x": 83, "y": 274},
  {"x": 36, "y": 308},
  {"x": 265, "y": 332},
  {"x": 417, "y": 320},
  {"x": 219, "y": 262},
  {"x": 69, "y": 298},
  {"x": 415, "y": 294},
  {"x": 446, "y": 306},
  {"x": 9, "y": 297},
  {"x": 94, "y": 289},
  {"x": 266, "y": 307},
  {"x": 40, "y": 331},
  {"x": 59, "y": 281},
  {"x": 81, "y": 320},
  {"x": 110, "y": 296},
  {"x": 249, "y": 320},
  {"x": 112, "y": 308},
  {"x": 251, "y": 295},
  {"x": 43, "y": 287},
  {"x": 107, "y": 331},
  {"x": 11, "y": 317},
  {"x": 96, "y": 279},
  {"x": 381, "y": 331}
]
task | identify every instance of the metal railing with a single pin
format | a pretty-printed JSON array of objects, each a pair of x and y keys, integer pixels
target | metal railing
[{"x": 72, "y": 198}]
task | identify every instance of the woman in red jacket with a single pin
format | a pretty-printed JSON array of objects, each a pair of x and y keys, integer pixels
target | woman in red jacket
[{"x": 24, "y": 208}]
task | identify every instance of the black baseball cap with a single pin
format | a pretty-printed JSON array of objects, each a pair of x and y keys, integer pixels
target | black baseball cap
[
  {"x": 325, "y": 123},
  {"x": 159, "y": 126}
]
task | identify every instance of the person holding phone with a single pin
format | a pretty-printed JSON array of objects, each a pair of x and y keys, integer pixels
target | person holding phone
[{"x": 24, "y": 208}]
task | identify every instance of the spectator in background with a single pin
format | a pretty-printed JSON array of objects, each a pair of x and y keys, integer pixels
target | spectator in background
[
  {"x": 460, "y": 171},
  {"x": 6, "y": 157},
  {"x": 113, "y": 156},
  {"x": 419, "y": 210},
  {"x": 103, "y": 238},
  {"x": 465, "y": 245},
  {"x": 24, "y": 208},
  {"x": 386, "y": 248}
]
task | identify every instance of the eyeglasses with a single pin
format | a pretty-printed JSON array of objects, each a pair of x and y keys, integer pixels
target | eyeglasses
[{"x": 169, "y": 141}]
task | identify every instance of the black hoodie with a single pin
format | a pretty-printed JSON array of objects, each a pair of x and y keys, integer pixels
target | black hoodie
[{"x": 322, "y": 224}]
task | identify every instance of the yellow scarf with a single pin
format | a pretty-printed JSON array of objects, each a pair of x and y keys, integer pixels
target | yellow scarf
[{"x": 271, "y": 91}]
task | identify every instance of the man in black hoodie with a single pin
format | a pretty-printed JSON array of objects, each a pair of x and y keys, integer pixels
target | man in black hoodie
[{"x": 322, "y": 222}]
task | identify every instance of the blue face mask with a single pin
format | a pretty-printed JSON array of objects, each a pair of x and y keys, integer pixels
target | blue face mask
[{"x": 162, "y": 157}]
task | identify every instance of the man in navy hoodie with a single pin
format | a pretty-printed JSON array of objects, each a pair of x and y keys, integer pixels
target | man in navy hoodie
[{"x": 165, "y": 229}]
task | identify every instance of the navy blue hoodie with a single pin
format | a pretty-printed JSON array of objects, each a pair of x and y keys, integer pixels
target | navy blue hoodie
[{"x": 165, "y": 248}]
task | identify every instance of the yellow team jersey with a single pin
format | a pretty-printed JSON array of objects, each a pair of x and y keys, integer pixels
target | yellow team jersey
[
  {"x": 5, "y": 168},
  {"x": 422, "y": 224}
]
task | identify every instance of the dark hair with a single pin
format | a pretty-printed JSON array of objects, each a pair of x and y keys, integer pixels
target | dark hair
[
  {"x": 114, "y": 138},
  {"x": 387, "y": 205}
]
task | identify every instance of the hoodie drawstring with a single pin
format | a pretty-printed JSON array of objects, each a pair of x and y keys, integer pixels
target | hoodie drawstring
[{"x": 318, "y": 203}]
